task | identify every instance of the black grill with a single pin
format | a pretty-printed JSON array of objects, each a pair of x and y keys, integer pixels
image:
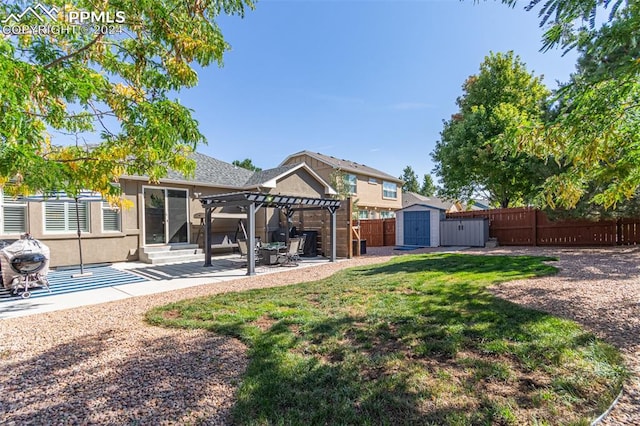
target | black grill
[{"x": 28, "y": 263}]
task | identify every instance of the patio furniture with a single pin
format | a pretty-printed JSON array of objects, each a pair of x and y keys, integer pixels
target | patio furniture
[
  {"x": 303, "y": 238},
  {"x": 271, "y": 252},
  {"x": 243, "y": 248},
  {"x": 290, "y": 257}
]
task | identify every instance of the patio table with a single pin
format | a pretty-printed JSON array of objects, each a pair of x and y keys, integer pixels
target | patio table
[{"x": 270, "y": 252}]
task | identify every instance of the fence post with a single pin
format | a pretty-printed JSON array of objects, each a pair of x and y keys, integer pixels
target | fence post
[
  {"x": 535, "y": 227},
  {"x": 349, "y": 228},
  {"x": 619, "y": 232}
]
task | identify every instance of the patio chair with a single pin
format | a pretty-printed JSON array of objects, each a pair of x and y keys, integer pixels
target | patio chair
[
  {"x": 290, "y": 257},
  {"x": 303, "y": 239},
  {"x": 243, "y": 248}
]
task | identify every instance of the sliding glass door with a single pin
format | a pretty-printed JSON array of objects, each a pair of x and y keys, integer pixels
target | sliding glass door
[{"x": 166, "y": 216}]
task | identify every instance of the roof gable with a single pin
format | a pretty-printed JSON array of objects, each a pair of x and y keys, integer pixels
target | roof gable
[
  {"x": 345, "y": 165},
  {"x": 213, "y": 172},
  {"x": 423, "y": 205},
  {"x": 411, "y": 198}
]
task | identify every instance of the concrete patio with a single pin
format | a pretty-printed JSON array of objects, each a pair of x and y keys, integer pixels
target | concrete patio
[{"x": 139, "y": 279}]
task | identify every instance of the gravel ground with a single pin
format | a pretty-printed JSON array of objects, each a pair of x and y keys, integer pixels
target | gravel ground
[
  {"x": 598, "y": 288},
  {"x": 102, "y": 364}
]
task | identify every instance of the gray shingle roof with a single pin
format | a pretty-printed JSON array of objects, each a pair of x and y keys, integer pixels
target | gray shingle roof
[
  {"x": 411, "y": 198},
  {"x": 211, "y": 171},
  {"x": 265, "y": 175},
  {"x": 348, "y": 166}
]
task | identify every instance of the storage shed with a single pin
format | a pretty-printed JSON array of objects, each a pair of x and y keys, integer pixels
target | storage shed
[
  {"x": 464, "y": 232},
  {"x": 419, "y": 225}
]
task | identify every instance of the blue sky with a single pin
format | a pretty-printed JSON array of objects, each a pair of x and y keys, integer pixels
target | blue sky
[{"x": 368, "y": 81}]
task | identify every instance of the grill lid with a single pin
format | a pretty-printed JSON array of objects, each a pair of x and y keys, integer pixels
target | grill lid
[{"x": 28, "y": 263}]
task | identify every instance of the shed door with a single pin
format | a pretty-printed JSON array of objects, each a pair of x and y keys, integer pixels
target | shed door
[{"x": 417, "y": 228}]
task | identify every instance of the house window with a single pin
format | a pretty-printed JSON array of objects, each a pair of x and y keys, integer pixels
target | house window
[
  {"x": 351, "y": 183},
  {"x": 387, "y": 214},
  {"x": 110, "y": 218},
  {"x": 13, "y": 217},
  {"x": 363, "y": 214},
  {"x": 389, "y": 190},
  {"x": 60, "y": 216},
  {"x": 373, "y": 181}
]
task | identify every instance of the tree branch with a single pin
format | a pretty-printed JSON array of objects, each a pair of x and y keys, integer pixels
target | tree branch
[{"x": 70, "y": 55}]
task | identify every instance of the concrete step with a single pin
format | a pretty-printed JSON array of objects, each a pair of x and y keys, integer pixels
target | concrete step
[
  {"x": 176, "y": 259},
  {"x": 176, "y": 247},
  {"x": 168, "y": 254},
  {"x": 173, "y": 253},
  {"x": 492, "y": 243}
]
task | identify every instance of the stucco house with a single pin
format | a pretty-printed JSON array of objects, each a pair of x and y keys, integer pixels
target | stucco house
[
  {"x": 379, "y": 194},
  {"x": 165, "y": 217}
]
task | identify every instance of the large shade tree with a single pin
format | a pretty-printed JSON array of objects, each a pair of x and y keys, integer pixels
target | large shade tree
[
  {"x": 81, "y": 107},
  {"x": 595, "y": 135},
  {"x": 476, "y": 154}
]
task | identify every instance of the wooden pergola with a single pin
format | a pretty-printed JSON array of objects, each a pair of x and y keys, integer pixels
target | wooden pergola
[{"x": 251, "y": 202}]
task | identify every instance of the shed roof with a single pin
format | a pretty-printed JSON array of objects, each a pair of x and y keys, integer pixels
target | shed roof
[
  {"x": 422, "y": 205},
  {"x": 411, "y": 198}
]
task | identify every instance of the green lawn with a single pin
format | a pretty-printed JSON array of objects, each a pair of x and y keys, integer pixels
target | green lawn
[{"x": 417, "y": 340}]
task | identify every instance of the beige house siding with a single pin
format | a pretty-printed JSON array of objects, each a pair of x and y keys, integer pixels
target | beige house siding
[
  {"x": 301, "y": 184},
  {"x": 97, "y": 246},
  {"x": 125, "y": 245},
  {"x": 102, "y": 247},
  {"x": 369, "y": 196}
]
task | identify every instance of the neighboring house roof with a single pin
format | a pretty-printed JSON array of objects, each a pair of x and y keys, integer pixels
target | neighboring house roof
[
  {"x": 479, "y": 204},
  {"x": 411, "y": 199},
  {"x": 346, "y": 165},
  {"x": 213, "y": 172}
]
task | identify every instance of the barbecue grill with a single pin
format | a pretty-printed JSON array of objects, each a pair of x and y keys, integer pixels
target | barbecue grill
[
  {"x": 25, "y": 264},
  {"x": 29, "y": 263}
]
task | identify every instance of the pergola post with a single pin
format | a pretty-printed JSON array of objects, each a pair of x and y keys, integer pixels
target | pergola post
[
  {"x": 207, "y": 236},
  {"x": 333, "y": 235},
  {"x": 251, "y": 243}
]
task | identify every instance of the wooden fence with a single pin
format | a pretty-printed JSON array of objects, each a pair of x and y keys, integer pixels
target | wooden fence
[
  {"x": 320, "y": 221},
  {"x": 377, "y": 232},
  {"x": 532, "y": 227}
]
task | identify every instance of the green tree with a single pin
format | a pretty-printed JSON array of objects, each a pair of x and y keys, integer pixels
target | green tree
[
  {"x": 428, "y": 188},
  {"x": 595, "y": 135},
  {"x": 82, "y": 107},
  {"x": 339, "y": 180},
  {"x": 476, "y": 152},
  {"x": 247, "y": 163},
  {"x": 410, "y": 179}
]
